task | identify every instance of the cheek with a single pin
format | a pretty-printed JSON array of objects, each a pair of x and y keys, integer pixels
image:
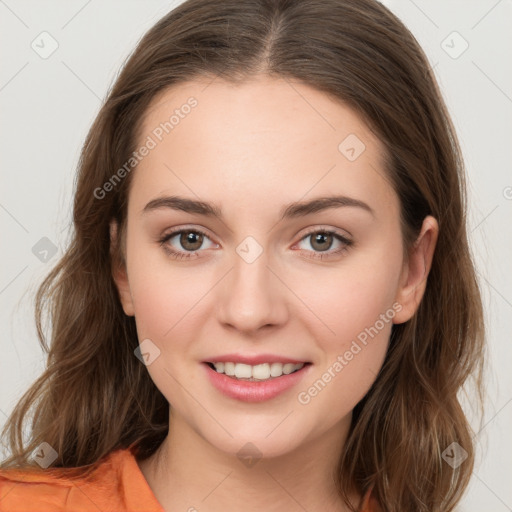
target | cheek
[
  {"x": 356, "y": 307},
  {"x": 359, "y": 314},
  {"x": 166, "y": 301},
  {"x": 339, "y": 386},
  {"x": 157, "y": 293},
  {"x": 341, "y": 303},
  {"x": 167, "y": 304}
]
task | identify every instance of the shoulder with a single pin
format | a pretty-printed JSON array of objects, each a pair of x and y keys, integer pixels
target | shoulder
[
  {"x": 31, "y": 489},
  {"x": 113, "y": 484}
]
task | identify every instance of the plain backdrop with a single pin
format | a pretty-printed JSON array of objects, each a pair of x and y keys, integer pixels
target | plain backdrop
[{"x": 58, "y": 60}]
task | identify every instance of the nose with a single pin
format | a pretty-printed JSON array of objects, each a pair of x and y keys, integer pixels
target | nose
[{"x": 252, "y": 296}]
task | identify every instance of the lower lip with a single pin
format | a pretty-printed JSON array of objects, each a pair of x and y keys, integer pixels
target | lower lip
[{"x": 252, "y": 391}]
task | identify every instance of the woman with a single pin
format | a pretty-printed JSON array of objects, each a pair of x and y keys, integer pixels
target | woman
[{"x": 269, "y": 298}]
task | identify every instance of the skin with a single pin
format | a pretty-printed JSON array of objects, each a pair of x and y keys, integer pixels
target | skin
[{"x": 252, "y": 149}]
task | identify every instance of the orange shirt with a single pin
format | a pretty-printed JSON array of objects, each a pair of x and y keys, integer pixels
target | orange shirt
[{"x": 116, "y": 485}]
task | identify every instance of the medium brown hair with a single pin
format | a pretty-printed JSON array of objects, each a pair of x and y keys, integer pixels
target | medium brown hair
[{"x": 95, "y": 396}]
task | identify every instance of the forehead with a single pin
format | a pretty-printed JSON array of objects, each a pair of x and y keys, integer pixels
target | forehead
[{"x": 262, "y": 140}]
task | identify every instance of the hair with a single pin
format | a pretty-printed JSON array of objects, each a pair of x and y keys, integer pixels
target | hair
[{"x": 95, "y": 397}]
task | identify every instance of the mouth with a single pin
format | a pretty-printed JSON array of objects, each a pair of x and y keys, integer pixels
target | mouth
[
  {"x": 255, "y": 383},
  {"x": 256, "y": 373}
]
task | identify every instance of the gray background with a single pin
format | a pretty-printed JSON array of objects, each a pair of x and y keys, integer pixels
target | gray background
[{"x": 47, "y": 105}]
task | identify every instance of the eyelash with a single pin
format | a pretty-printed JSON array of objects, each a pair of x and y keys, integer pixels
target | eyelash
[{"x": 179, "y": 255}]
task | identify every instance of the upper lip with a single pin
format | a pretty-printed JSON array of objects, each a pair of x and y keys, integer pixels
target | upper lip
[{"x": 253, "y": 359}]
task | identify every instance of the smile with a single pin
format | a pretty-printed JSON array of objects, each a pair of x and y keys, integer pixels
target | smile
[{"x": 256, "y": 383}]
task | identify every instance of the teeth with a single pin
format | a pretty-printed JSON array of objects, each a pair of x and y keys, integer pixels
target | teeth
[
  {"x": 263, "y": 371},
  {"x": 276, "y": 369},
  {"x": 229, "y": 369},
  {"x": 243, "y": 371}
]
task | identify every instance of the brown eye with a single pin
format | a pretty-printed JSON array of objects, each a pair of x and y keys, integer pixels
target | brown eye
[
  {"x": 324, "y": 244},
  {"x": 321, "y": 241},
  {"x": 191, "y": 240},
  {"x": 185, "y": 243}
]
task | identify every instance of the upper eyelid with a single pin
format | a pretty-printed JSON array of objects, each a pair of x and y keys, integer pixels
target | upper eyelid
[
  {"x": 176, "y": 231},
  {"x": 320, "y": 229}
]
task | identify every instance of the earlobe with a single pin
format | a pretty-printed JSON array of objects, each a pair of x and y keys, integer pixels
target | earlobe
[
  {"x": 119, "y": 273},
  {"x": 413, "y": 280}
]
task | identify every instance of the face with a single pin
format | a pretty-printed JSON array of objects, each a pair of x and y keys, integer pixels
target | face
[{"x": 263, "y": 277}]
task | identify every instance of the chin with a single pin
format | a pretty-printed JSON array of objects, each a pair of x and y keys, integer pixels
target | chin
[{"x": 254, "y": 444}]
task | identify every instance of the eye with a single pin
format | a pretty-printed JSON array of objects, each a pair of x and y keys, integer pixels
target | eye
[
  {"x": 191, "y": 240},
  {"x": 321, "y": 240}
]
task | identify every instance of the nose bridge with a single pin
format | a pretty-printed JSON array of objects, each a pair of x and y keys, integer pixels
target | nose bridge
[{"x": 252, "y": 295}]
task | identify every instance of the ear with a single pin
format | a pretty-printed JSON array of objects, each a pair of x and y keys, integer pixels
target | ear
[
  {"x": 413, "y": 279},
  {"x": 119, "y": 273}
]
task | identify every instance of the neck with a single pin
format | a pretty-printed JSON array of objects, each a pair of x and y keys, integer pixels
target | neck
[{"x": 187, "y": 473}]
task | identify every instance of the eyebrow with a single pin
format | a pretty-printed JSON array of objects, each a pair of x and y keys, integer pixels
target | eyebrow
[{"x": 292, "y": 210}]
